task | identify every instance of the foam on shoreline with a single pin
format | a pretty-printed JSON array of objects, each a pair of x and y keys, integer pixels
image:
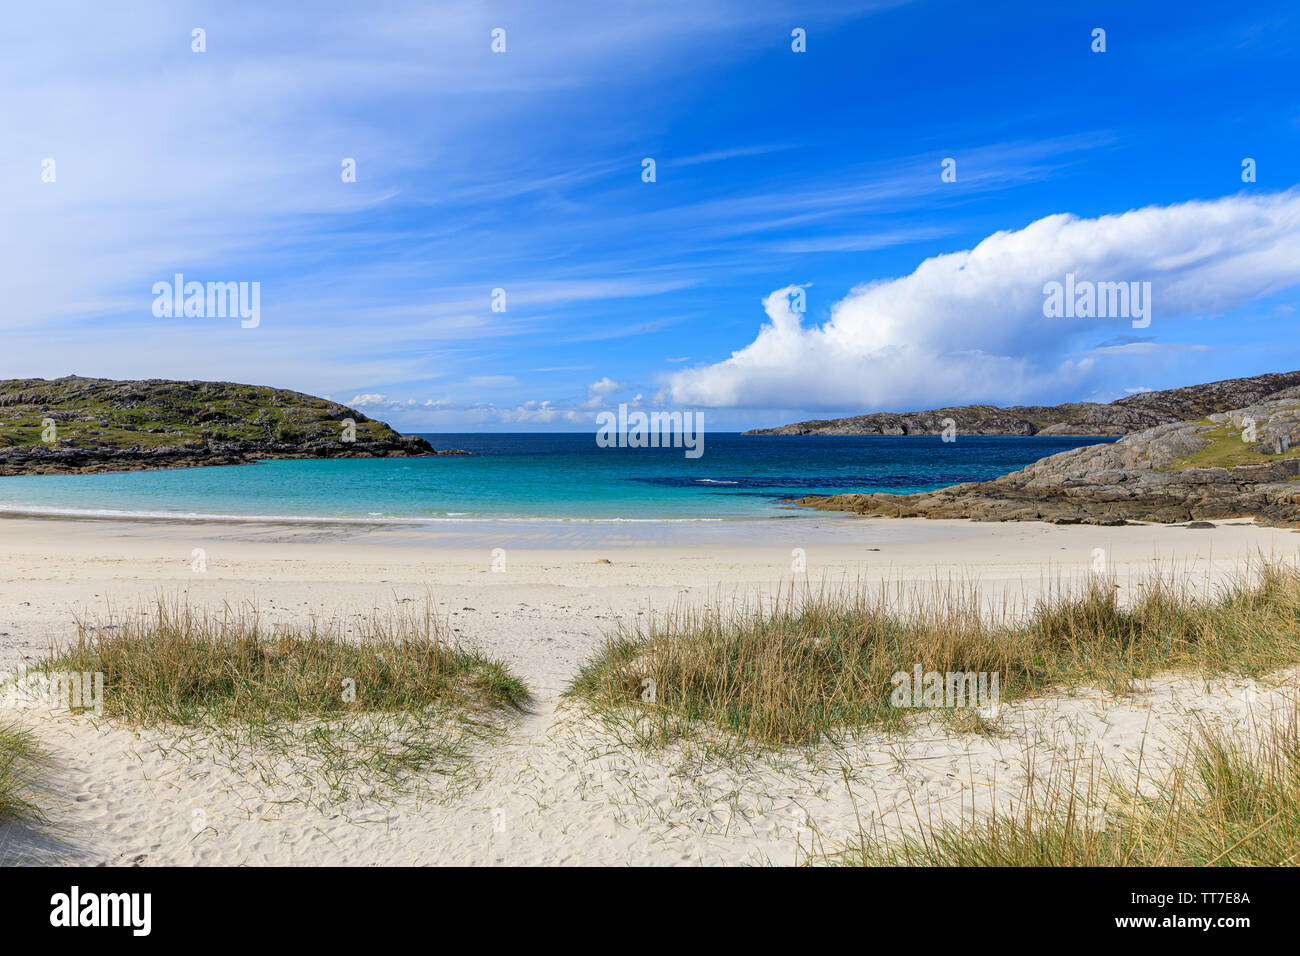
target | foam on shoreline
[{"x": 108, "y": 514}]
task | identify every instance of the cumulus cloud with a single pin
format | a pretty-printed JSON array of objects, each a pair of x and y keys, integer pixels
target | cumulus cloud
[
  {"x": 600, "y": 390},
  {"x": 433, "y": 414},
  {"x": 969, "y": 326},
  {"x": 436, "y": 414},
  {"x": 442, "y": 413}
]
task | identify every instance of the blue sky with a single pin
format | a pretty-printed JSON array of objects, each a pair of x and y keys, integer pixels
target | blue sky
[{"x": 522, "y": 171}]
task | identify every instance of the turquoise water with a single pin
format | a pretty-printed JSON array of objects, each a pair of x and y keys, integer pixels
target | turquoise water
[{"x": 549, "y": 476}]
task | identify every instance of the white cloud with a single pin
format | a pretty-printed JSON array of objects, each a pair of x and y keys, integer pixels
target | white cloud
[
  {"x": 531, "y": 412},
  {"x": 969, "y": 326},
  {"x": 600, "y": 390},
  {"x": 534, "y": 412}
]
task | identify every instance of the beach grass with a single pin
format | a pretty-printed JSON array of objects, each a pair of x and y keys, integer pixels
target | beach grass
[
  {"x": 21, "y": 760},
  {"x": 1226, "y": 801},
  {"x": 817, "y": 666},
  {"x": 176, "y": 664},
  {"x": 362, "y": 703}
]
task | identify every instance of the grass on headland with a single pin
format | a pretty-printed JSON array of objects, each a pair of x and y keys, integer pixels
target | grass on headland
[
  {"x": 372, "y": 702},
  {"x": 1226, "y": 802},
  {"x": 1225, "y": 450},
  {"x": 103, "y": 413},
  {"x": 21, "y": 759},
  {"x": 816, "y": 667}
]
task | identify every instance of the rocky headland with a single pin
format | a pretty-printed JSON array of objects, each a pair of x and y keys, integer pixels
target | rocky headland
[
  {"x": 1229, "y": 464},
  {"x": 1122, "y": 417},
  {"x": 80, "y": 425}
]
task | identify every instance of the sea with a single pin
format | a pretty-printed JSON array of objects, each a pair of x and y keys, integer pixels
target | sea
[{"x": 552, "y": 477}]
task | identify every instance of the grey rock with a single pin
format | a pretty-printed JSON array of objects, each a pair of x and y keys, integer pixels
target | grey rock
[{"x": 1138, "y": 478}]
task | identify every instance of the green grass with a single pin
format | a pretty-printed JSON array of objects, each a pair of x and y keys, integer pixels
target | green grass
[
  {"x": 815, "y": 668},
  {"x": 360, "y": 704},
  {"x": 1225, "y": 802},
  {"x": 1225, "y": 450},
  {"x": 21, "y": 760},
  {"x": 117, "y": 414}
]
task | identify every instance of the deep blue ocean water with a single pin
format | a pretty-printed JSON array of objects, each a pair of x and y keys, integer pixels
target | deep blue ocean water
[{"x": 545, "y": 476}]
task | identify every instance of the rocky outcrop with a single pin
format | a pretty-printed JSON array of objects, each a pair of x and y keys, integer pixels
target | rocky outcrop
[
  {"x": 78, "y": 425},
  {"x": 1121, "y": 417},
  {"x": 1164, "y": 474},
  {"x": 52, "y": 460}
]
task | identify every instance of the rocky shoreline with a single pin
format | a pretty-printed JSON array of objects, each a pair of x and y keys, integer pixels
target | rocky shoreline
[
  {"x": 70, "y": 460},
  {"x": 1169, "y": 473}
]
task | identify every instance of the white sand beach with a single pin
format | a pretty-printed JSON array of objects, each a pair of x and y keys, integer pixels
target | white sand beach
[{"x": 551, "y": 791}]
